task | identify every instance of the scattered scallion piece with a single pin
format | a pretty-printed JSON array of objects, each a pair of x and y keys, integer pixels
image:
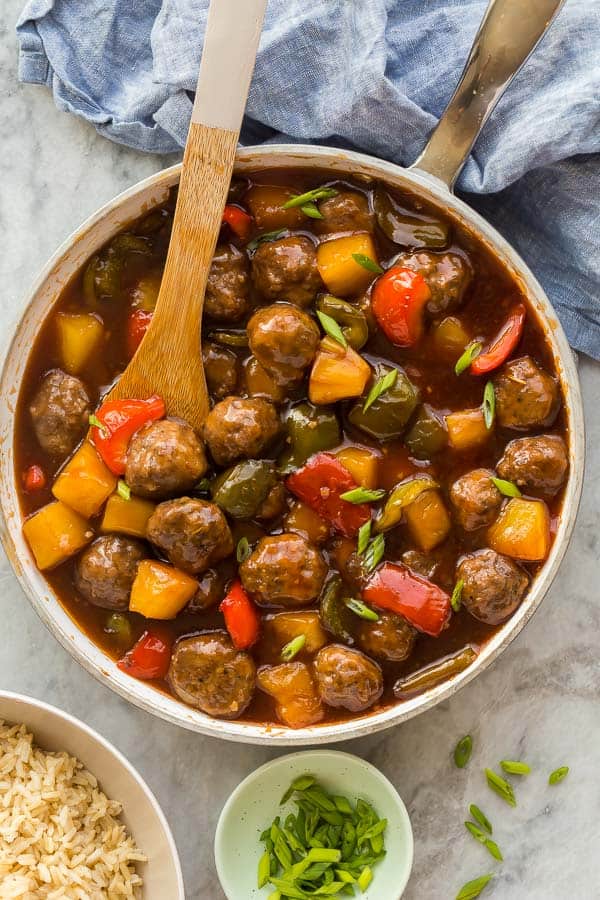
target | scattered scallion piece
[
  {"x": 364, "y": 536},
  {"x": 322, "y": 193},
  {"x": 374, "y": 553},
  {"x": 501, "y": 787},
  {"x": 455, "y": 599},
  {"x": 473, "y": 889},
  {"x": 514, "y": 767},
  {"x": 362, "y": 495},
  {"x": 361, "y": 609},
  {"x": 480, "y": 835},
  {"x": 293, "y": 648},
  {"x": 312, "y": 211},
  {"x": 367, "y": 263},
  {"x": 264, "y": 869},
  {"x": 557, "y": 776},
  {"x": 203, "y": 485},
  {"x": 95, "y": 421},
  {"x": 508, "y": 488},
  {"x": 480, "y": 817},
  {"x": 489, "y": 405},
  {"x": 382, "y": 385},
  {"x": 470, "y": 353},
  {"x": 462, "y": 751},
  {"x": 123, "y": 490},
  {"x": 243, "y": 550},
  {"x": 264, "y": 239},
  {"x": 331, "y": 327}
]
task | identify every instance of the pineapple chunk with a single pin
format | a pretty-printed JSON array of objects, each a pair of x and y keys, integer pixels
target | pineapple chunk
[
  {"x": 339, "y": 270},
  {"x": 85, "y": 482},
  {"x": 54, "y": 533},
  {"x": 337, "y": 373},
  {"x": 79, "y": 336}
]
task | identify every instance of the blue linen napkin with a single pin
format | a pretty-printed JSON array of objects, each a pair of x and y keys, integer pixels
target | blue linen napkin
[{"x": 368, "y": 74}]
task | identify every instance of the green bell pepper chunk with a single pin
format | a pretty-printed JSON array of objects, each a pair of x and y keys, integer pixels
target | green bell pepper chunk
[
  {"x": 241, "y": 490},
  {"x": 434, "y": 674},
  {"x": 351, "y": 320},
  {"x": 387, "y": 417},
  {"x": 310, "y": 429},
  {"x": 427, "y": 435},
  {"x": 414, "y": 232},
  {"x": 102, "y": 276},
  {"x": 336, "y": 618}
]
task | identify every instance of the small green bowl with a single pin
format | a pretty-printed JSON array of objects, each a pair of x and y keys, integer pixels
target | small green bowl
[{"x": 255, "y": 802}]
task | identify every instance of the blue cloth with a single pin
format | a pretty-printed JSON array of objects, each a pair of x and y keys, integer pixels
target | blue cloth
[{"x": 367, "y": 74}]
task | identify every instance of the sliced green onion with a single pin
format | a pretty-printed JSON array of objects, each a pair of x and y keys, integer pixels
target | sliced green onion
[
  {"x": 367, "y": 263},
  {"x": 508, "y": 488},
  {"x": 462, "y": 751},
  {"x": 489, "y": 405},
  {"x": 501, "y": 787},
  {"x": 470, "y": 353},
  {"x": 382, "y": 385},
  {"x": 264, "y": 869},
  {"x": 364, "y": 536},
  {"x": 365, "y": 878},
  {"x": 473, "y": 889},
  {"x": 479, "y": 835},
  {"x": 265, "y": 238},
  {"x": 374, "y": 553},
  {"x": 94, "y": 420},
  {"x": 302, "y": 783},
  {"x": 311, "y": 210},
  {"x": 362, "y": 495},
  {"x": 331, "y": 327},
  {"x": 123, "y": 489},
  {"x": 293, "y": 647},
  {"x": 310, "y": 197},
  {"x": 243, "y": 550},
  {"x": 455, "y": 599},
  {"x": 514, "y": 767},
  {"x": 557, "y": 776},
  {"x": 481, "y": 818},
  {"x": 203, "y": 485},
  {"x": 361, "y": 609}
]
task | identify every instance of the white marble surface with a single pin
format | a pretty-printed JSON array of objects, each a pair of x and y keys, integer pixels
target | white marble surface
[{"x": 539, "y": 702}]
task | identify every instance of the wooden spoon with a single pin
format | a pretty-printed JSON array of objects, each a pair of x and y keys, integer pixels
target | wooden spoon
[{"x": 168, "y": 362}]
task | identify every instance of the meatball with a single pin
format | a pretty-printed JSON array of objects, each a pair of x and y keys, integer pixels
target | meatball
[
  {"x": 193, "y": 534},
  {"x": 211, "y": 590},
  {"x": 284, "y": 340},
  {"x": 347, "y": 211},
  {"x": 228, "y": 285},
  {"x": 105, "y": 571},
  {"x": 447, "y": 274},
  {"x": 221, "y": 370},
  {"x": 237, "y": 428},
  {"x": 287, "y": 270},
  {"x": 208, "y": 673},
  {"x": 535, "y": 462},
  {"x": 426, "y": 564},
  {"x": 346, "y": 677},
  {"x": 476, "y": 499},
  {"x": 493, "y": 585},
  {"x": 60, "y": 411},
  {"x": 526, "y": 395},
  {"x": 354, "y": 571},
  {"x": 164, "y": 458},
  {"x": 284, "y": 570},
  {"x": 391, "y": 639}
]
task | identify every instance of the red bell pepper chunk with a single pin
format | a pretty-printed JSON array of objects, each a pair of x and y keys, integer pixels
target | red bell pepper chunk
[
  {"x": 239, "y": 221},
  {"x": 120, "y": 419},
  {"x": 319, "y": 484},
  {"x": 395, "y": 588},
  {"x": 241, "y": 616},
  {"x": 34, "y": 479},
  {"x": 398, "y": 299},
  {"x": 503, "y": 344},
  {"x": 137, "y": 326},
  {"x": 148, "y": 658}
]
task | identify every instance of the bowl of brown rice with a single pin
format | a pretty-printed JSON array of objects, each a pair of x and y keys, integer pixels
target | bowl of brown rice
[{"x": 76, "y": 820}]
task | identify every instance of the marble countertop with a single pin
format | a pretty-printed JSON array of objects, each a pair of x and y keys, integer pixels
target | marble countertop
[{"x": 539, "y": 702}]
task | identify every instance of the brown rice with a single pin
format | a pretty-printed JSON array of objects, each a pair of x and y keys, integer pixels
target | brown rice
[{"x": 60, "y": 836}]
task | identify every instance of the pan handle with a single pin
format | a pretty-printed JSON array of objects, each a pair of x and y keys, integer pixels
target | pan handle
[{"x": 510, "y": 31}]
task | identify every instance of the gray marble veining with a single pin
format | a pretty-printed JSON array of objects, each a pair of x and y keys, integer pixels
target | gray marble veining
[{"x": 539, "y": 702}]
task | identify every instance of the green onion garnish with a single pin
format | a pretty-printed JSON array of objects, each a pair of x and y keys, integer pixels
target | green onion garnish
[
  {"x": 123, "y": 490},
  {"x": 203, "y": 485},
  {"x": 374, "y": 553},
  {"x": 361, "y": 610},
  {"x": 481, "y": 818},
  {"x": 243, "y": 550},
  {"x": 265, "y": 238},
  {"x": 367, "y": 263},
  {"x": 470, "y": 353},
  {"x": 514, "y": 767},
  {"x": 311, "y": 210},
  {"x": 462, "y": 751},
  {"x": 382, "y": 385},
  {"x": 557, "y": 776},
  {"x": 455, "y": 599},
  {"x": 95, "y": 421},
  {"x": 310, "y": 197},
  {"x": 501, "y": 787},
  {"x": 481, "y": 836},
  {"x": 364, "y": 536},
  {"x": 331, "y": 327},
  {"x": 489, "y": 405},
  {"x": 362, "y": 495},
  {"x": 473, "y": 889},
  {"x": 293, "y": 647},
  {"x": 506, "y": 487}
]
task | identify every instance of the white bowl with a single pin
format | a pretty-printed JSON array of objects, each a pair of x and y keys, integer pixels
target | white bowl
[
  {"x": 53, "y": 729},
  {"x": 255, "y": 802}
]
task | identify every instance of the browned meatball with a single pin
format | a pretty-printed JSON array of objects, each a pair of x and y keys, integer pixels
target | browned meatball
[
  {"x": 228, "y": 285},
  {"x": 193, "y": 534},
  {"x": 535, "y": 462},
  {"x": 221, "y": 370},
  {"x": 238, "y": 427},
  {"x": 354, "y": 571},
  {"x": 105, "y": 571},
  {"x": 391, "y": 639},
  {"x": 287, "y": 270},
  {"x": 493, "y": 585},
  {"x": 284, "y": 570},
  {"x": 59, "y": 412},
  {"x": 447, "y": 274},
  {"x": 347, "y": 211},
  {"x": 164, "y": 458},
  {"x": 526, "y": 395},
  {"x": 284, "y": 340},
  {"x": 211, "y": 590},
  {"x": 426, "y": 564},
  {"x": 208, "y": 673},
  {"x": 476, "y": 499},
  {"x": 346, "y": 677}
]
